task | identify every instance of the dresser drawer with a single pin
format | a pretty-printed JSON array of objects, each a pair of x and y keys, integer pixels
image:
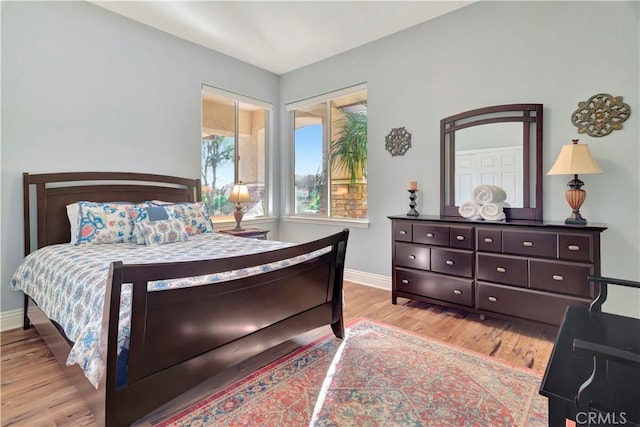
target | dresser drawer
[
  {"x": 402, "y": 231},
  {"x": 575, "y": 247},
  {"x": 452, "y": 261},
  {"x": 489, "y": 240},
  {"x": 431, "y": 234},
  {"x": 412, "y": 256},
  {"x": 503, "y": 269},
  {"x": 561, "y": 277},
  {"x": 524, "y": 303},
  {"x": 461, "y": 237},
  {"x": 543, "y": 244},
  {"x": 431, "y": 285}
]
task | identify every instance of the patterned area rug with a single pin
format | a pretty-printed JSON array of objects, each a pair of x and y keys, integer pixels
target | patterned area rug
[{"x": 379, "y": 376}]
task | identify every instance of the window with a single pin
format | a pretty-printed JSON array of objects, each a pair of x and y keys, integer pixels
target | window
[
  {"x": 330, "y": 145},
  {"x": 233, "y": 149}
]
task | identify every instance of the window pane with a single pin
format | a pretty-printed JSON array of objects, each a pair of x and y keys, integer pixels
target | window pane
[
  {"x": 348, "y": 156},
  {"x": 310, "y": 160},
  {"x": 218, "y": 153},
  {"x": 252, "y": 160}
]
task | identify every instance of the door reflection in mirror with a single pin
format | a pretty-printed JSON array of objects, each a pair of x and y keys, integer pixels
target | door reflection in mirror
[{"x": 489, "y": 155}]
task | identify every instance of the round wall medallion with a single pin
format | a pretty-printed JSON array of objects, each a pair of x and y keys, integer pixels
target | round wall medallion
[
  {"x": 398, "y": 141},
  {"x": 600, "y": 115}
]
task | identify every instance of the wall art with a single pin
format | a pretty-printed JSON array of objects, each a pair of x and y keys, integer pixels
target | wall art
[
  {"x": 398, "y": 141},
  {"x": 600, "y": 115}
]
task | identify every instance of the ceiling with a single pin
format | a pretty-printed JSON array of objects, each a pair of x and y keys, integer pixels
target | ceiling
[{"x": 281, "y": 36}]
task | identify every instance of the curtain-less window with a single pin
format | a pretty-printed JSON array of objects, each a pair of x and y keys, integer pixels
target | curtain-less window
[
  {"x": 330, "y": 154},
  {"x": 233, "y": 149}
]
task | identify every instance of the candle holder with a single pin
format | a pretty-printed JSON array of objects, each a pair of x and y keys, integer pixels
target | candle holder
[{"x": 412, "y": 203}]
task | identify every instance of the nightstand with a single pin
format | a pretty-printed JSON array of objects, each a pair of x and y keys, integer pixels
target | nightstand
[{"x": 251, "y": 233}]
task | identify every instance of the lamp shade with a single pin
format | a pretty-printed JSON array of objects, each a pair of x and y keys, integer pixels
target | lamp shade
[
  {"x": 574, "y": 159},
  {"x": 239, "y": 194}
]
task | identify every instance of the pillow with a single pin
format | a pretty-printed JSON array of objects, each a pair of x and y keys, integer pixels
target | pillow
[
  {"x": 73, "y": 213},
  {"x": 137, "y": 214},
  {"x": 100, "y": 223},
  {"x": 158, "y": 228},
  {"x": 195, "y": 216}
]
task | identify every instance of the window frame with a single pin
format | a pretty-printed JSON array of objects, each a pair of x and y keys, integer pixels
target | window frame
[
  {"x": 237, "y": 99},
  {"x": 291, "y": 214}
]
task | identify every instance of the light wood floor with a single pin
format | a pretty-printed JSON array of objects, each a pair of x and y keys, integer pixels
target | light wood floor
[{"x": 34, "y": 391}]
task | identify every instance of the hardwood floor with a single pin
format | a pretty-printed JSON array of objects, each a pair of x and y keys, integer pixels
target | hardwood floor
[{"x": 34, "y": 391}]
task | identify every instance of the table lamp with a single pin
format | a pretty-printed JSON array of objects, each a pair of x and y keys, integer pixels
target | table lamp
[
  {"x": 575, "y": 159},
  {"x": 239, "y": 194}
]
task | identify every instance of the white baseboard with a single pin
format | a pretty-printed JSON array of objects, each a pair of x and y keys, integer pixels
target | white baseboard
[
  {"x": 368, "y": 279},
  {"x": 11, "y": 319}
]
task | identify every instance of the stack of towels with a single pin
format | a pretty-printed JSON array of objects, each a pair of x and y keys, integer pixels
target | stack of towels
[{"x": 488, "y": 203}]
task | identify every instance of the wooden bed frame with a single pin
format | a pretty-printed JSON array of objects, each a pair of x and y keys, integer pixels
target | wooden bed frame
[{"x": 180, "y": 337}]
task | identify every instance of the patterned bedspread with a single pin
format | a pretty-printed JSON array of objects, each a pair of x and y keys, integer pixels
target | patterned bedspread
[{"x": 68, "y": 283}]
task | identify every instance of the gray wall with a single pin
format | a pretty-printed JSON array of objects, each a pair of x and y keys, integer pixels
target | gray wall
[
  {"x": 489, "y": 53},
  {"x": 86, "y": 89}
]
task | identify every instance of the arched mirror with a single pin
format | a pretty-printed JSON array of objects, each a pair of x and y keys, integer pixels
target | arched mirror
[{"x": 499, "y": 145}]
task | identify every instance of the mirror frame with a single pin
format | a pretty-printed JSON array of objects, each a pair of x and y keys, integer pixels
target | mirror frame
[{"x": 529, "y": 115}]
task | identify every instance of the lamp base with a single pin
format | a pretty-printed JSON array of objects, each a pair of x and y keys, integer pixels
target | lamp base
[
  {"x": 575, "y": 196},
  {"x": 238, "y": 214},
  {"x": 575, "y": 221}
]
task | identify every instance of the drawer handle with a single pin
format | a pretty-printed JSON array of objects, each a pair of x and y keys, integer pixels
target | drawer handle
[
  {"x": 405, "y": 281},
  {"x": 493, "y": 299},
  {"x": 501, "y": 270},
  {"x": 457, "y": 291},
  {"x": 557, "y": 277},
  {"x": 403, "y": 232},
  {"x": 527, "y": 243},
  {"x": 460, "y": 238},
  {"x": 429, "y": 234},
  {"x": 573, "y": 247},
  {"x": 412, "y": 257},
  {"x": 450, "y": 262},
  {"x": 488, "y": 240}
]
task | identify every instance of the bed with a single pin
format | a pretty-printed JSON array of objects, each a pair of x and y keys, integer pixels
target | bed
[{"x": 178, "y": 337}]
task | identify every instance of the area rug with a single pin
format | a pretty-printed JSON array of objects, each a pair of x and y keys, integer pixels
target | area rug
[{"x": 379, "y": 375}]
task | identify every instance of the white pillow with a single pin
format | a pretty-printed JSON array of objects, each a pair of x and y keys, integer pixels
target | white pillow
[{"x": 73, "y": 213}]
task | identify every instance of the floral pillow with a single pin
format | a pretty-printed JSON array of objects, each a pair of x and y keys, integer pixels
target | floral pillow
[
  {"x": 195, "y": 216},
  {"x": 138, "y": 214},
  {"x": 100, "y": 223},
  {"x": 156, "y": 227}
]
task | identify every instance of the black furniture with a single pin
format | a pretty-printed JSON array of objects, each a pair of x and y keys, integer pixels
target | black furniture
[
  {"x": 523, "y": 270},
  {"x": 593, "y": 374}
]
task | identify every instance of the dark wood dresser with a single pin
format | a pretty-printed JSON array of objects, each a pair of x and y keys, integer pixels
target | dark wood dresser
[{"x": 524, "y": 270}]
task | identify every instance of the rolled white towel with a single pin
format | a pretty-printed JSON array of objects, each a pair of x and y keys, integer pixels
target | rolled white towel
[
  {"x": 492, "y": 212},
  {"x": 489, "y": 194},
  {"x": 469, "y": 210}
]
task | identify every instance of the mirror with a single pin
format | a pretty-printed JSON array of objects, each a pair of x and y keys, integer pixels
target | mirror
[{"x": 499, "y": 145}]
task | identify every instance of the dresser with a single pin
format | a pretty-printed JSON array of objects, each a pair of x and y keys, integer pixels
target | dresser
[{"x": 521, "y": 270}]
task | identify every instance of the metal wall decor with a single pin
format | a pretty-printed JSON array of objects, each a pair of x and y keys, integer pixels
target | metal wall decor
[
  {"x": 600, "y": 115},
  {"x": 398, "y": 141}
]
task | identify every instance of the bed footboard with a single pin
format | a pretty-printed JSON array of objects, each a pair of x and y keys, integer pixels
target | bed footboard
[{"x": 181, "y": 337}]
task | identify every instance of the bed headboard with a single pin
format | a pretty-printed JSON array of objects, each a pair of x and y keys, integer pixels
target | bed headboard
[{"x": 54, "y": 191}]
